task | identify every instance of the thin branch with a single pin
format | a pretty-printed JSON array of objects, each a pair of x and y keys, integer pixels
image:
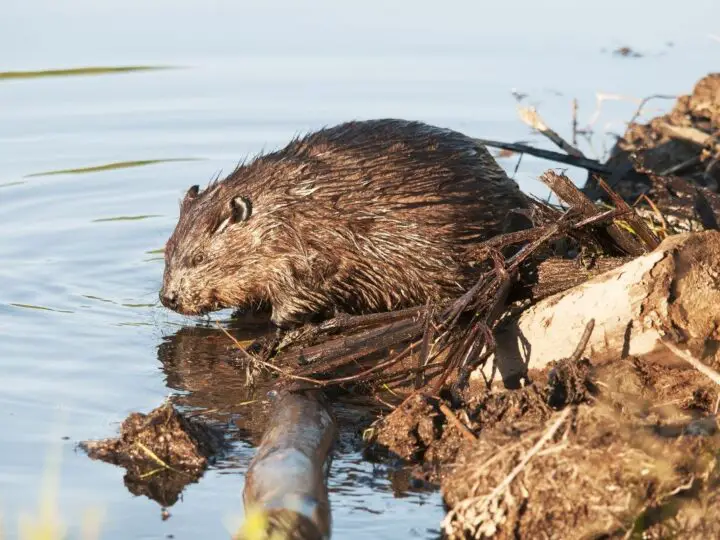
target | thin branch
[
  {"x": 502, "y": 486},
  {"x": 575, "y": 161},
  {"x": 549, "y": 434},
  {"x": 574, "y": 121},
  {"x": 688, "y": 134},
  {"x": 682, "y": 166},
  {"x": 531, "y": 117},
  {"x": 694, "y": 362},
  {"x": 645, "y": 101},
  {"x": 454, "y": 420},
  {"x": 580, "y": 349}
]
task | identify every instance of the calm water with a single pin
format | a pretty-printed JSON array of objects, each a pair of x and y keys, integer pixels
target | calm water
[{"x": 80, "y": 327}]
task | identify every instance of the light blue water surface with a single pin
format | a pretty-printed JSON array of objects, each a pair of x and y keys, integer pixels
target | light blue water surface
[{"x": 250, "y": 76}]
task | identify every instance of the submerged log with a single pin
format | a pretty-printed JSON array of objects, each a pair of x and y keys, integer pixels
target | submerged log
[
  {"x": 286, "y": 484},
  {"x": 671, "y": 295}
]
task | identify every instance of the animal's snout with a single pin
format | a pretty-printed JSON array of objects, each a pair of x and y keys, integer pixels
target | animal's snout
[{"x": 169, "y": 299}]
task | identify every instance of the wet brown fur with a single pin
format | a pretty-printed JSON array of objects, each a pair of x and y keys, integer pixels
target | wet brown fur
[{"x": 361, "y": 217}]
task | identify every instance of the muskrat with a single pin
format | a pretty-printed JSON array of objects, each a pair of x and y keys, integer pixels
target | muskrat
[{"x": 363, "y": 217}]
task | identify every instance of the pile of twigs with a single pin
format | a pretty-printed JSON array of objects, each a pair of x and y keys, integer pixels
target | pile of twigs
[{"x": 428, "y": 347}]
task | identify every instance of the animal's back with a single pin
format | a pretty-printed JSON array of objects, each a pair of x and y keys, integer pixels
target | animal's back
[
  {"x": 365, "y": 216},
  {"x": 396, "y": 170},
  {"x": 395, "y": 204}
]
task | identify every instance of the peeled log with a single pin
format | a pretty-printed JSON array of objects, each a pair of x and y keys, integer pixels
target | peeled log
[
  {"x": 287, "y": 478},
  {"x": 671, "y": 294}
]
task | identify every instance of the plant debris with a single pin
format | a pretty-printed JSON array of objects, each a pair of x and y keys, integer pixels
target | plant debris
[{"x": 161, "y": 451}]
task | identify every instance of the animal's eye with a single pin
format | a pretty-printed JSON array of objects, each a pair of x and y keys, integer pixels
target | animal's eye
[{"x": 198, "y": 259}]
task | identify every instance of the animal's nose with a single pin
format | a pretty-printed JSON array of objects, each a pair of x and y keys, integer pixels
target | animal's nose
[{"x": 169, "y": 299}]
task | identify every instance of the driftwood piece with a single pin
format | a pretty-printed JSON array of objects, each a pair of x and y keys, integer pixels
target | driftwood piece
[
  {"x": 286, "y": 483},
  {"x": 671, "y": 294}
]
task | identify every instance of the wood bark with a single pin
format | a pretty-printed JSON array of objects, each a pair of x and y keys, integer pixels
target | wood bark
[
  {"x": 287, "y": 478},
  {"x": 670, "y": 294}
]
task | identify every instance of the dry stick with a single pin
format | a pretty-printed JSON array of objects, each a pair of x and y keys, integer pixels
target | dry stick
[
  {"x": 532, "y": 235},
  {"x": 638, "y": 224},
  {"x": 502, "y": 486},
  {"x": 574, "y": 121},
  {"x": 568, "y": 192},
  {"x": 468, "y": 366},
  {"x": 469, "y": 435},
  {"x": 484, "y": 336},
  {"x": 644, "y": 102},
  {"x": 378, "y": 367},
  {"x": 689, "y": 134},
  {"x": 324, "y": 382},
  {"x": 694, "y": 362},
  {"x": 449, "y": 363},
  {"x": 549, "y": 434},
  {"x": 577, "y": 353},
  {"x": 531, "y": 117},
  {"x": 604, "y": 216},
  {"x": 345, "y": 322},
  {"x": 574, "y": 161},
  {"x": 681, "y": 167}
]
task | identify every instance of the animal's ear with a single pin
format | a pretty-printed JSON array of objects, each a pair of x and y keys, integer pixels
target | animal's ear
[
  {"x": 190, "y": 195},
  {"x": 241, "y": 208}
]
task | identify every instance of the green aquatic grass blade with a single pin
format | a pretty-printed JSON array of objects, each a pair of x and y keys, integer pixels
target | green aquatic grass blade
[
  {"x": 41, "y": 308},
  {"x": 98, "y": 298},
  {"x": 78, "y": 72},
  {"x": 155, "y": 251},
  {"x": 126, "y": 218},
  {"x": 111, "y": 166},
  {"x": 107, "y": 301},
  {"x": 8, "y": 184}
]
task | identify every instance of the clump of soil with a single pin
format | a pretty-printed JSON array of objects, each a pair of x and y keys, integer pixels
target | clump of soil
[
  {"x": 162, "y": 452},
  {"x": 424, "y": 430},
  {"x": 668, "y": 161},
  {"x": 579, "y": 452},
  {"x": 655, "y": 144},
  {"x": 584, "y": 473},
  {"x": 636, "y": 456}
]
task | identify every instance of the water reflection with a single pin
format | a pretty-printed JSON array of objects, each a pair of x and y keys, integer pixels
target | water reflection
[{"x": 200, "y": 365}]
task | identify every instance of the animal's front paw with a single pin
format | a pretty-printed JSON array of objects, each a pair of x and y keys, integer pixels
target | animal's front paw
[{"x": 287, "y": 319}]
